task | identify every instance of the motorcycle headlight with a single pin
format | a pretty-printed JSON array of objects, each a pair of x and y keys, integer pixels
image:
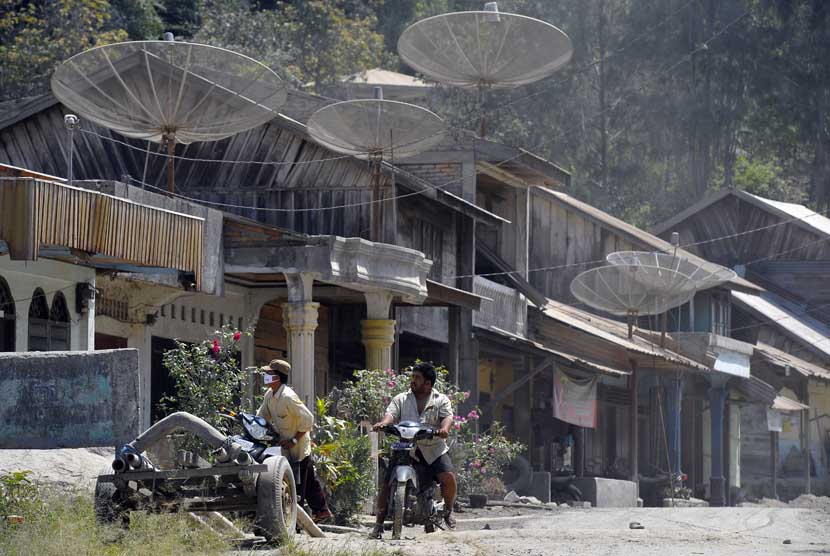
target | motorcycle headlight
[{"x": 256, "y": 430}]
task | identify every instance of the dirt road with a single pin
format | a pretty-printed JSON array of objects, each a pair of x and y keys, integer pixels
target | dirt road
[{"x": 574, "y": 532}]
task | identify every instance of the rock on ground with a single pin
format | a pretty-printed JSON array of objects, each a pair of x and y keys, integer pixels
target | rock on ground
[{"x": 64, "y": 468}]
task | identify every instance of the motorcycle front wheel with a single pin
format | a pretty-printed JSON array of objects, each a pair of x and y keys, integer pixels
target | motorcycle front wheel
[{"x": 400, "y": 505}]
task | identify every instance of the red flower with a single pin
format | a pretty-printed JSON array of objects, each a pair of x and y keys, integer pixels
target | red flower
[
  {"x": 215, "y": 345},
  {"x": 237, "y": 335}
]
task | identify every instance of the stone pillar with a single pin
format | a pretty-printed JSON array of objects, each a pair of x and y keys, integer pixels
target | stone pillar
[
  {"x": 299, "y": 317},
  {"x": 378, "y": 330},
  {"x": 633, "y": 424},
  {"x": 717, "y": 403}
]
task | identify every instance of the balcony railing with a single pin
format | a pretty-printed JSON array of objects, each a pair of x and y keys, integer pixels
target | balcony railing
[{"x": 507, "y": 310}]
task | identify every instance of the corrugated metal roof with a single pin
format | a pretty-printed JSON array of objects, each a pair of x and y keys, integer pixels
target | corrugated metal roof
[
  {"x": 783, "y": 359},
  {"x": 804, "y": 329},
  {"x": 819, "y": 223},
  {"x": 615, "y": 333},
  {"x": 782, "y": 403},
  {"x": 636, "y": 234},
  {"x": 573, "y": 359}
]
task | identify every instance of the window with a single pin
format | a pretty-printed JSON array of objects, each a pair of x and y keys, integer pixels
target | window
[
  {"x": 7, "y": 320},
  {"x": 193, "y": 316},
  {"x": 721, "y": 314},
  {"x": 429, "y": 239},
  {"x": 49, "y": 330}
]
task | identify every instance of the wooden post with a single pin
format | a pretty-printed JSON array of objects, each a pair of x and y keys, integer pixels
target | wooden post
[
  {"x": 805, "y": 427},
  {"x": 634, "y": 425}
]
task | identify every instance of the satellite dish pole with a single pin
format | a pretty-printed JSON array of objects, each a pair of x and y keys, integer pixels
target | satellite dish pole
[
  {"x": 375, "y": 161},
  {"x": 70, "y": 122}
]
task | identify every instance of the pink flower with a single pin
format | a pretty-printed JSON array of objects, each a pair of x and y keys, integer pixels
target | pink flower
[
  {"x": 492, "y": 450},
  {"x": 457, "y": 427},
  {"x": 237, "y": 335},
  {"x": 215, "y": 346},
  {"x": 458, "y": 417},
  {"x": 391, "y": 384},
  {"x": 389, "y": 372},
  {"x": 466, "y": 395},
  {"x": 473, "y": 414}
]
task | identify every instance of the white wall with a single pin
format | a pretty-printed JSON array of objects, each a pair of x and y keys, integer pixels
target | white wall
[{"x": 24, "y": 277}]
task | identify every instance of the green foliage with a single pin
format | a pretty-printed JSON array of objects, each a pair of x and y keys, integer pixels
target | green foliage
[
  {"x": 139, "y": 18},
  {"x": 481, "y": 458},
  {"x": 342, "y": 459},
  {"x": 67, "y": 526},
  {"x": 207, "y": 375},
  {"x": 36, "y": 36},
  {"x": 18, "y": 495}
]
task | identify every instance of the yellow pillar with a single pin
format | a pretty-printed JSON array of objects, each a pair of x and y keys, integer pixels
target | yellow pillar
[{"x": 378, "y": 338}]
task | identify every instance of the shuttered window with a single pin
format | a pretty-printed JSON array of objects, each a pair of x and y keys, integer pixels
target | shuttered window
[{"x": 49, "y": 330}]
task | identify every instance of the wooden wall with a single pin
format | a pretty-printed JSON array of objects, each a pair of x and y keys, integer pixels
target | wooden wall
[
  {"x": 562, "y": 236},
  {"x": 40, "y": 143},
  {"x": 730, "y": 216}
]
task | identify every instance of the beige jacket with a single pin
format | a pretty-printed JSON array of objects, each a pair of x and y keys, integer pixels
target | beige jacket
[{"x": 288, "y": 415}]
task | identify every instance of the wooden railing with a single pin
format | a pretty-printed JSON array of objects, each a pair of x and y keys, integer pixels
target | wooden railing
[{"x": 507, "y": 310}]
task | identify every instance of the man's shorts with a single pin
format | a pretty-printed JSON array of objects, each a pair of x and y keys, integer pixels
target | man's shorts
[{"x": 441, "y": 465}]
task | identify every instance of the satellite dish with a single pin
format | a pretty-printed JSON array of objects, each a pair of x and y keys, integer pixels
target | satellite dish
[
  {"x": 374, "y": 130},
  {"x": 702, "y": 277},
  {"x": 166, "y": 91},
  {"x": 485, "y": 50},
  {"x": 632, "y": 290}
]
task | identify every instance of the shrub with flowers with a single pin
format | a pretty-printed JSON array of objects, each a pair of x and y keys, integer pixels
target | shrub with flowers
[
  {"x": 481, "y": 458},
  {"x": 207, "y": 375}
]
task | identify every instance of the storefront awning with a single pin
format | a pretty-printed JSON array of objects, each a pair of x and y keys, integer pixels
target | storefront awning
[{"x": 782, "y": 403}]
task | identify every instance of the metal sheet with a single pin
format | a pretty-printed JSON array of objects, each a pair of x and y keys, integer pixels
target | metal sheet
[
  {"x": 732, "y": 363},
  {"x": 782, "y": 403},
  {"x": 804, "y": 329}
]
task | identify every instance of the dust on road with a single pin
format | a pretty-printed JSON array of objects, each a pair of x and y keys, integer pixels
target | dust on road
[{"x": 575, "y": 532}]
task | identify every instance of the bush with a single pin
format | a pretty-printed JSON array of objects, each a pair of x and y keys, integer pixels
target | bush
[
  {"x": 207, "y": 376},
  {"x": 480, "y": 460},
  {"x": 342, "y": 459},
  {"x": 18, "y": 495}
]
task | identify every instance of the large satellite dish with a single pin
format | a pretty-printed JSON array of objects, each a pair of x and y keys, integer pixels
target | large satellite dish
[
  {"x": 485, "y": 50},
  {"x": 632, "y": 290},
  {"x": 172, "y": 92},
  {"x": 702, "y": 277},
  {"x": 375, "y": 130}
]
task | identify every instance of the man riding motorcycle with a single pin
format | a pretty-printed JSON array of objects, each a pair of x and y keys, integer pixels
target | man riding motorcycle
[{"x": 432, "y": 409}]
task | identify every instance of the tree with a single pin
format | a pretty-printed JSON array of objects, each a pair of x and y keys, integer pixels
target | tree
[{"x": 36, "y": 36}]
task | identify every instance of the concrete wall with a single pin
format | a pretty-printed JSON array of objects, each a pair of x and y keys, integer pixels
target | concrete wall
[
  {"x": 64, "y": 399},
  {"x": 24, "y": 277}
]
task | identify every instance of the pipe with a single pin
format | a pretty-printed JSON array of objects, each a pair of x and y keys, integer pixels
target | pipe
[
  {"x": 179, "y": 421},
  {"x": 119, "y": 464},
  {"x": 134, "y": 461},
  {"x": 244, "y": 458}
]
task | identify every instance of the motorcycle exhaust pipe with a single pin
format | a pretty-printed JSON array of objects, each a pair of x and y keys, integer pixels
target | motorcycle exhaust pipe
[
  {"x": 244, "y": 458},
  {"x": 119, "y": 465},
  {"x": 134, "y": 461}
]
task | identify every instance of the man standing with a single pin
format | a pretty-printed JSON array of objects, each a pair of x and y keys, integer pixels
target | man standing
[
  {"x": 433, "y": 409},
  {"x": 292, "y": 420}
]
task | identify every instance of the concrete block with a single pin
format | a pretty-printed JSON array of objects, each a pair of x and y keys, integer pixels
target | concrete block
[
  {"x": 684, "y": 503},
  {"x": 512, "y": 497},
  {"x": 608, "y": 493},
  {"x": 540, "y": 486},
  {"x": 69, "y": 399}
]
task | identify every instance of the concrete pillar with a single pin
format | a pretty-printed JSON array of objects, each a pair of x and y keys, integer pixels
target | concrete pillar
[
  {"x": 805, "y": 430},
  {"x": 674, "y": 403},
  {"x": 87, "y": 324},
  {"x": 378, "y": 330},
  {"x": 141, "y": 339},
  {"x": 300, "y": 322},
  {"x": 734, "y": 445},
  {"x": 773, "y": 463},
  {"x": 717, "y": 403}
]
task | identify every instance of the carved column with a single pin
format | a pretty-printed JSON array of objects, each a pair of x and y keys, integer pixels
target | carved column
[
  {"x": 299, "y": 316},
  {"x": 378, "y": 331}
]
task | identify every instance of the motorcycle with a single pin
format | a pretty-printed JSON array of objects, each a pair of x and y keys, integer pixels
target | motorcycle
[
  {"x": 258, "y": 440},
  {"x": 411, "y": 491}
]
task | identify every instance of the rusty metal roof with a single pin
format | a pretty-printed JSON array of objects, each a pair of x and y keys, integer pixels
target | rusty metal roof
[
  {"x": 782, "y": 359},
  {"x": 807, "y": 331},
  {"x": 615, "y": 333}
]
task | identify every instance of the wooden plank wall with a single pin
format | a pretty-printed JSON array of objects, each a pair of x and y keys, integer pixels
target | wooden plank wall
[
  {"x": 559, "y": 236},
  {"x": 40, "y": 143},
  {"x": 429, "y": 228},
  {"x": 730, "y": 216}
]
